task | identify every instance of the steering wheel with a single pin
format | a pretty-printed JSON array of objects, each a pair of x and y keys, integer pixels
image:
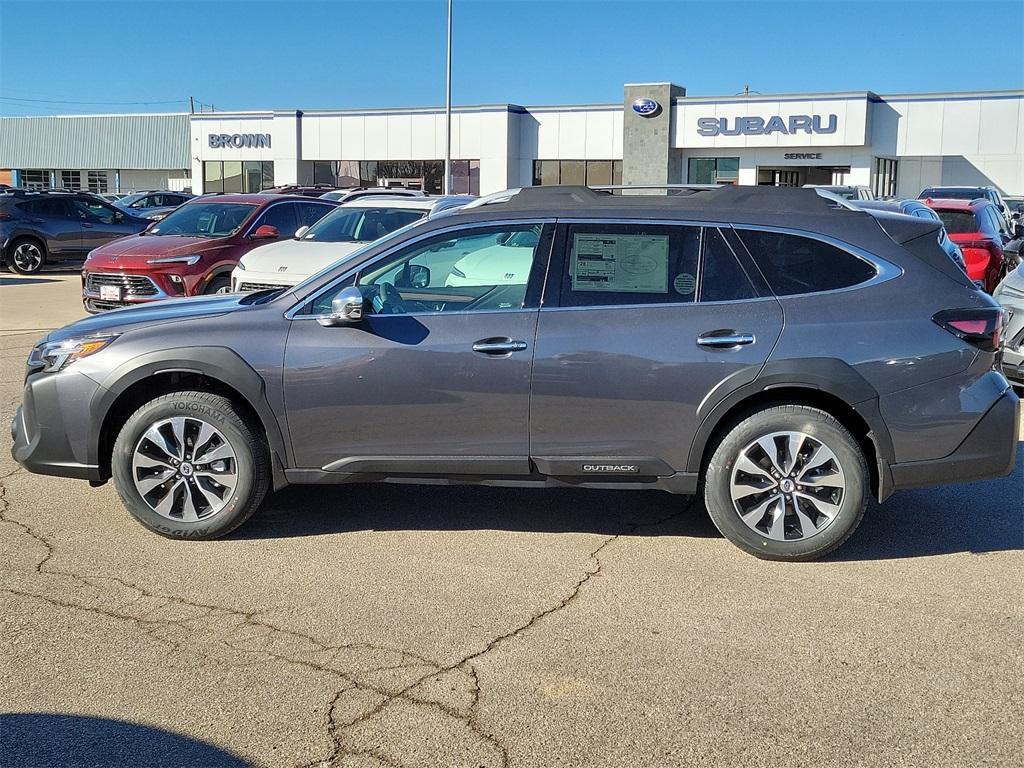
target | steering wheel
[{"x": 391, "y": 301}]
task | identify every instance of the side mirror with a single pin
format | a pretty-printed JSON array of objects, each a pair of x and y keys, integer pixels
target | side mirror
[
  {"x": 346, "y": 308},
  {"x": 300, "y": 232},
  {"x": 265, "y": 232},
  {"x": 413, "y": 276}
]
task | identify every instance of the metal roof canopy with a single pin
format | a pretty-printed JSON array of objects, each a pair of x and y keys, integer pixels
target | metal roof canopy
[{"x": 111, "y": 142}]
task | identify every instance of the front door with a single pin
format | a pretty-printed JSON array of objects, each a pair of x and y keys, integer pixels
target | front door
[
  {"x": 436, "y": 378},
  {"x": 100, "y": 223},
  {"x": 641, "y": 323}
]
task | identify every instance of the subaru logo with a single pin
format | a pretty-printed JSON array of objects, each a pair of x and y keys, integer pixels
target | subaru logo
[{"x": 646, "y": 107}]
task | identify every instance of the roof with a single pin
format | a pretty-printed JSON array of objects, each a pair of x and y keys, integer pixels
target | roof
[
  {"x": 254, "y": 198},
  {"x": 116, "y": 142},
  {"x": 732, "y": 198}
]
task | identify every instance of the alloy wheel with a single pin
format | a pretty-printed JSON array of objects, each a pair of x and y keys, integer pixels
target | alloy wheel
[
  {"x": 787, "y": 486},
  {"x": 184, "y": 469},
  {"x": 28, "y": 257}
]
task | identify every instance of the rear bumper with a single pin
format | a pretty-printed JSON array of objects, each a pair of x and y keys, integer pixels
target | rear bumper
[{"x": 988, "y": 451}]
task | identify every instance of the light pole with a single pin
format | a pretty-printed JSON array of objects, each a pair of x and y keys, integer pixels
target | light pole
[{"x": 448, "y": 109}]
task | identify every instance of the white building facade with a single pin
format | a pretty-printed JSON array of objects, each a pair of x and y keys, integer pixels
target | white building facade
[{"x": 894, "y": 144}]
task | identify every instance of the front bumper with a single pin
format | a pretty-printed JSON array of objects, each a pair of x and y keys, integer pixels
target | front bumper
[
  {"x": 50, "y": 429},
  {"x": 988, "y": 451}
]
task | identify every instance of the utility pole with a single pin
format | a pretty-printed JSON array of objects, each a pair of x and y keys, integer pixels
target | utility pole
[
  {"x": 191, "y": 106},
  {"x": 448, "y": 109}
]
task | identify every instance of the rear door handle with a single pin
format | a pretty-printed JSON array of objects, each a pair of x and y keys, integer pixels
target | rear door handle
[
  {"x": 499, "y": 346},
  {"x": 725, "y": 339},
  {"x": 87, "y": 225}
]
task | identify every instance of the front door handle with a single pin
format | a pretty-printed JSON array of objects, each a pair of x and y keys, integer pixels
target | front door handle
[
  {"x": 726, "y": 339},
  {"x": 499, "y": 346},
  {"x": 87, "y": 226}
]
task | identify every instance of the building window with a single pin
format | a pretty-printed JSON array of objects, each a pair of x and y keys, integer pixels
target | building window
[
  {"x": 586, "y": 172},
  {"x": 883, "y": 181},
  {"x": 35, "y": 179},
  {"x": 71, "y": 180},
  {"x": 237, "y": 176},
  {"x": 713, "y": 170},
  {"x": 427, "y": 175},
  {"x": 97, "y": 181}
]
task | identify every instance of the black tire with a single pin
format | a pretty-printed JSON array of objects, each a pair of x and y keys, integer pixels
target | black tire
[
  {"x": 32, "y": 261},
  {"x": 823, "y": 429},
  {"x": 221, "y": 284},
  {"x": 250, "y": 463}
]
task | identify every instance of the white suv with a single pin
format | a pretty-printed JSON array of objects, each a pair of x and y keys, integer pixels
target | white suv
[{"x": 337, "y": 235}]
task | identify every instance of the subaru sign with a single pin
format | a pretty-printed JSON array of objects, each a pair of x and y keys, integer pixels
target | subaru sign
[
  {"x": 646, "y": 107},
  {"x": 759, "y": 126},
  {"x": 239, "y": 140}
]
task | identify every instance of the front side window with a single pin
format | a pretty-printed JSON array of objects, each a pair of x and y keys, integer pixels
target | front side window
[
  {"x": 361, "y": 225},
  {"x": 310, "y": 213},
  {"x": 610, "y": 264},
  {"x": 204, "y": 220},
  {"x": 793, "y": 264},
  {"x": 474, "y": 270},
  {"x": 280, "y": 216},
  {"x": 93, "y": 209}
]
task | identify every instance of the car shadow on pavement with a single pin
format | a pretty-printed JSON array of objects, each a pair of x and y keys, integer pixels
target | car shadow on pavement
[
  {"x": 316, "y": 510},
  {"x": 8, "y": 280},
  {"x": 974, "y": 517},
  {"x": 30, "y": 740}
]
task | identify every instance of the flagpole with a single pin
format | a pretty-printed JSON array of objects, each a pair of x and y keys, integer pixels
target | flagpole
[{"x": 448, "y": 109}]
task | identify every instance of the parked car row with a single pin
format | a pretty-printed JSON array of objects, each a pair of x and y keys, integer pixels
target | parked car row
[{"x": 786, "y": 354}]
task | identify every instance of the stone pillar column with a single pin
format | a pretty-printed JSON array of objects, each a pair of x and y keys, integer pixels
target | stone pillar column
[{"x": 647, "y": 154}]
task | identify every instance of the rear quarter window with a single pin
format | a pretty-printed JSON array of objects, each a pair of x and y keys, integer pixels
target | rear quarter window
[{"x": 794, "y": 264}]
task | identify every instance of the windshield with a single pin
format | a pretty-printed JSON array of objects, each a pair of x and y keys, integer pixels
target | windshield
[
  {"x": 204, "y": 220},
  {"x": 352, "y": 256},
  {"x": 361, "y": 225},
  {"x": 847, "y": 193}
]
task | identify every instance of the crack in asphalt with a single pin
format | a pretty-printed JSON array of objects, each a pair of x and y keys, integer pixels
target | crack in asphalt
[{"x": 256, "y": 637}]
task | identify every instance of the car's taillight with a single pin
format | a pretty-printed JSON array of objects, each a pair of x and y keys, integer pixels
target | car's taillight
[
  {"x": 5, "y": 216},
  {"x": 982, "y": 328}
]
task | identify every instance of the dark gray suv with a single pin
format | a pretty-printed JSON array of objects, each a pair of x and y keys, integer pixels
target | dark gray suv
[{"x": 774, "y": 350}]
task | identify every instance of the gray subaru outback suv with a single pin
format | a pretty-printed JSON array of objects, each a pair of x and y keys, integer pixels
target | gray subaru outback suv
[{"x": 781, "y": 354}]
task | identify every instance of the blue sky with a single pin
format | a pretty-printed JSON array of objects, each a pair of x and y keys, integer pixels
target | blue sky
[{"x": 348, "y": 53}]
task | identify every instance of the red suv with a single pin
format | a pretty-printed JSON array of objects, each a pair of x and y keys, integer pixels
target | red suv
[
  {"x": 977, "y": 227},
  {"x": 193, "y": 250}
]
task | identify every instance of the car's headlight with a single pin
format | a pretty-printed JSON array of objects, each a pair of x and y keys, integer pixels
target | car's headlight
[
  {"x": 1010, "y": 291},
  {"x": 190, "y": 260},
  {"x": 57, "y": 355},
  {"x": 240, "y": 266}
]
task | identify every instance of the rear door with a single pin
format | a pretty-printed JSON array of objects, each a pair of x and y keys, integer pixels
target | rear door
[
  {"x": 53, "y": 218},
  {"x": 641, "y": 323}
]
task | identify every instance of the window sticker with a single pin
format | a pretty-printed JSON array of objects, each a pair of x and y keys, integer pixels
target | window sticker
[
  {"x": 684, "y": 284},
  {"x": 620, "y": 263}
]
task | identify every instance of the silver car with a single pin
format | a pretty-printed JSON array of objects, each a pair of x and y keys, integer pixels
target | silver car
[{"x": 1010, "y": 293}]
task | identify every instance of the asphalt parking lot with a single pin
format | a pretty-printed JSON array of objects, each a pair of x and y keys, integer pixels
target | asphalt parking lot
[{"x": 430, "y": 626}]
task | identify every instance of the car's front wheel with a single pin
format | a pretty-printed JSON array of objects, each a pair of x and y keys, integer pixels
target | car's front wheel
[
  {"x": 26, "y": 256},
  {"x": 220, "y": 284},
  {"x": 188, "y": 465},
  {"x": 787, "y": 483}
]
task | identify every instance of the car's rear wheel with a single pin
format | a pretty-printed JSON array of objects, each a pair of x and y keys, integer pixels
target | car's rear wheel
[
  {"x": 26, "y": 256},
  {"x": 787, "y": 483},
  {"x": 188, "y": 465},
  {"x": 220, "y": 284}
]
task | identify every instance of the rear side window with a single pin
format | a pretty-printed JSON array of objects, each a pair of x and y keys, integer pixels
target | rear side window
[
  {"x": 46, "y": 207},
  {"x": 610, "y": 264},
  {"x": 794, "y": 264},
  {"x": 311, "y": 213},
  {"x": 722, "y": 278}
]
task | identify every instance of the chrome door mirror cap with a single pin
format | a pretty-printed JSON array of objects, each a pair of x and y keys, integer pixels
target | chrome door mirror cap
[{"x": 346, "y": 308}]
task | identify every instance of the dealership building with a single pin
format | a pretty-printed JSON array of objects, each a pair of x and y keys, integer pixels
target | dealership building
[{"x": 895, "y": 144}]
